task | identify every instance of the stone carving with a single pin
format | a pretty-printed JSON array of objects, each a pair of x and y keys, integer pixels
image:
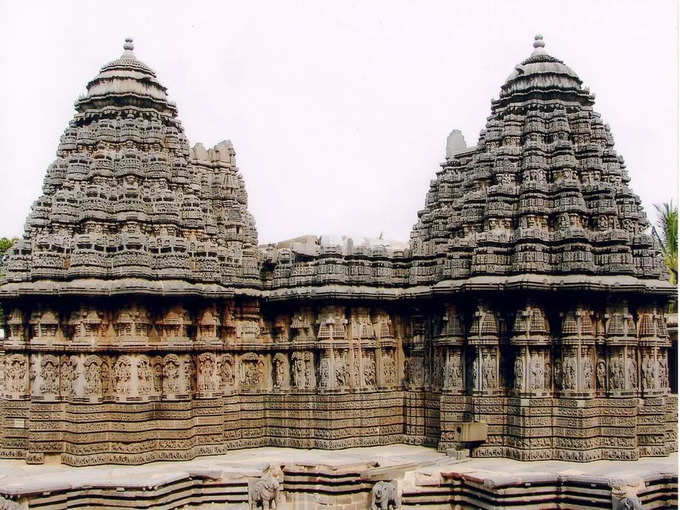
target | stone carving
[
  {"x": 171, "y": 375},
  {"x": 264, "y": 493},
  {"x": 122, "y": 376},
  {"x": 489, "y": 379},
  {"x": 207, "y": 378},
  {"x": 536, "y": 374},
  {"x": 341, "y": 369},
  {"x": 385, "y": 496},
  {"x": 601, "y": 375},
  {"x": 649, "y": 373},
  {"x": 252, "y": 372},
  {"x": 299, "y": 371},
  {"x": 93, "y": 377},
  {"x": 227, "y": 373},
  {"x": 281, "y": 371},
  {"x": 324, "y": 373},
  {"x": 49, "y": 373},
  {"x": 389, "y": 369},
  {"x": 167, "y": 296},
  {"x": 519, "y": 372},
  {"x": 587, "y": 373},
  {"x": 616, "y": 373},
  {"x": 369, "y": 368}
]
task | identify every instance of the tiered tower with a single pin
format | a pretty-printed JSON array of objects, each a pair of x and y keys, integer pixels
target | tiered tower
[{"x": 143, "y": 322}]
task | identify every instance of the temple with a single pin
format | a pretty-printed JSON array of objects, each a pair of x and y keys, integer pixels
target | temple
[{"x": 526, "y": 317}]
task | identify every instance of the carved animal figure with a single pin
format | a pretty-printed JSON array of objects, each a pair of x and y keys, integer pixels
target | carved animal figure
[
  {"x": 264, "y": 493},
  {"x": 385, "y": 496}
]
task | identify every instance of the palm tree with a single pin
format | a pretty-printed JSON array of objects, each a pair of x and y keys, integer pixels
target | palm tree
[{"x": 667, "y": 223}]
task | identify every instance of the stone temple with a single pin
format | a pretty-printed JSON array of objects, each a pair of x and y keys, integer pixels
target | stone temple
[{"x": 525, "y": 318}]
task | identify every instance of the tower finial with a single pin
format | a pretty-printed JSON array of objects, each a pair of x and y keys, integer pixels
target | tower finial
[
  {"x": 128, "y": 46},
  {"x": 538, "y": 41}
]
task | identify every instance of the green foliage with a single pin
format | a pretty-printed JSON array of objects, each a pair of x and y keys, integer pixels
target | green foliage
[
  {"x": 5, "y": 244},
  {"x": 667, "y": 223}
]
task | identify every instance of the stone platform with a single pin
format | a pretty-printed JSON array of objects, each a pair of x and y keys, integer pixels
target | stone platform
[{"x": 317, "y": 479}]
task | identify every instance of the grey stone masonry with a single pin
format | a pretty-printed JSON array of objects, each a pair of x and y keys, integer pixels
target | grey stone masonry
[{"x": 525, "y": 319}]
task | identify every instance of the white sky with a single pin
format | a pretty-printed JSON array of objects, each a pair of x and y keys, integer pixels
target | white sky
[{"x": 338, "y": 111}]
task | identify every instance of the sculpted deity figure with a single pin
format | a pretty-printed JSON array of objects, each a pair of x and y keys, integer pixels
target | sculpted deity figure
[
  {"x": 49, "y": 370},
  {"x": 325, "y": 373},
  {"x": 93, "y": 381},
  {"x": 536, "y": 375},
  {"x": 475, "y": 375},
  {"x": 488, "y": 372},
  {"x": 519, "y": 372},
  {"x": 389, "y": 369},
  {"x": 341, "y": 370},
  {"x": 106, "y": 378},
  {"x": 145, "y": 377},
  {"x": 601, "y": 375},
  {"x": 298, "y": 370},
  {"x": 122, "y": 374},
  {"x": 310, "y": 370},
  {"x": 587, "y": 373},
  {"x": 227, "y": 373},
  {"x": 279, "y": 371},
  {"x": 632, "y": 368},
  {"x": 558, "y": 377},
  {"x": 369, "y": 371},
  {"x": 190, "y": 375},
  {"x": 616, "y": 373},
  {"x": 157, "y": 375},
  {"x": 663, "y": 372},
  {"x": 570, "y": 373},
  {"x": 206, "y": 372},
  {"x": 171, "y": 375}
]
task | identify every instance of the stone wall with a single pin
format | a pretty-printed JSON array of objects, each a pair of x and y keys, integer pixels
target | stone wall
[{"x": 130, "y": 381}]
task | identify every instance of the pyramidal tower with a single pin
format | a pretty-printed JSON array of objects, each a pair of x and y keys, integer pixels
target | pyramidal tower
[
  {"x": 525, "y": 319},
  {"x": 543, "y": 192},
  {"x": 128, "y": 204}
]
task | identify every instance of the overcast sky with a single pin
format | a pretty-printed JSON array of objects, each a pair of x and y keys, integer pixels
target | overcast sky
[{"x": 338, "y": 111}]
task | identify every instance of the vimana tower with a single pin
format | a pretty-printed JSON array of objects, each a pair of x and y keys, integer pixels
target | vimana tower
[{"x": 145, "y": 323}]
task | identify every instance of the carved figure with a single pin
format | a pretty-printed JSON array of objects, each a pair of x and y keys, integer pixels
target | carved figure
[
  {"x": 264, "y": 493},
  {"x": 280, "y": 367},
  {"x": 587, "y": 373},
  {"x": 324, "y": 373},
  {"x": 298, "y": 370},
  {"x": 93, "y": 381},
  {"x": 570, "y": 373},
  {"x": 601, "y": 375},
  {"x": 385, "y": 496},
  {"x": 341, "y": 371},
  {"x": 389, "y": 369},
  {"x": 519, "y": 372},
  {"x": 369, "y": 371},
  {"x": 49, "y": 371}
]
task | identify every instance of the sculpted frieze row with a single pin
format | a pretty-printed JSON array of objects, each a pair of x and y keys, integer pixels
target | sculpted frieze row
[{"x": 134, "y": 377}]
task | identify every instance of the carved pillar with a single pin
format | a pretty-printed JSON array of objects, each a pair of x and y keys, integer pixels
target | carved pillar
[
  {"x": 575, "y": 370},
  {"x": 654, "y": 343},
  {"x": 450, "y": 338},
  {"x": 483, "y": 373},
  {"x": 532, "y": 368},
  {"x": 622, "y": 353}
]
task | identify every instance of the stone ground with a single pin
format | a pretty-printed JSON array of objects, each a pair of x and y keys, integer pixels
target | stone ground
[{"x": 413, "y": 464}]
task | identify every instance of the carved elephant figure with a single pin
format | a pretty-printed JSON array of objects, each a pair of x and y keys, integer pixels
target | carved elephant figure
[
  {"x": 264, "y": 493},
  {"x": 630, "y": 503},
  {"x": 385, "y": 496}
]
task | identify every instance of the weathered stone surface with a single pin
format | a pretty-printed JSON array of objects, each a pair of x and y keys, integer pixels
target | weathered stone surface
[{"x": 144, "y": 323}]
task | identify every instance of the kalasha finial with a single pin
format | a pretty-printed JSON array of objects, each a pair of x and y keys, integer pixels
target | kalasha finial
[
  {"x": 538, "y": 41},
  {"x": 128, "y": 46}
]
